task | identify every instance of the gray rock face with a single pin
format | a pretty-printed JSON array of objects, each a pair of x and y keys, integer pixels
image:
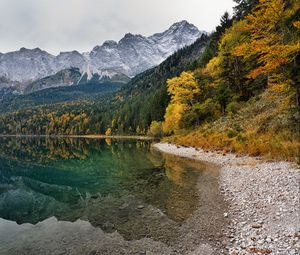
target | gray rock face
[
  {"x": 133, "y": 54},
  {"x": 65, "y": 77},
  {"x": 26, "y": 64},
  {"x": 67, "y": 60}
]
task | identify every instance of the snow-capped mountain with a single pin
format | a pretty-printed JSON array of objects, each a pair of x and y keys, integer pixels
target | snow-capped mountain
[{"x": 133, "y": 54}]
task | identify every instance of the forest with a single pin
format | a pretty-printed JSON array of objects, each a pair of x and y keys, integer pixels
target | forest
[{"x": 236, "y": 89}]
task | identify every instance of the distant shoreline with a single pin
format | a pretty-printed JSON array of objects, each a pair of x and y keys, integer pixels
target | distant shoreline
[{"x": 135, "y": 137}]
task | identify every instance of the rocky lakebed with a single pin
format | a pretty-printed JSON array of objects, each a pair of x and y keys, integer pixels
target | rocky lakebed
[{"x": 263, "y": 202}]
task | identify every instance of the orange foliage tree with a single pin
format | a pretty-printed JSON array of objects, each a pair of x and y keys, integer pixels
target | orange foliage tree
[{"x": 274, "y": 41}]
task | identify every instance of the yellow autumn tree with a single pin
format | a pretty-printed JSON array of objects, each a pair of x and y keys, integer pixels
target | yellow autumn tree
[
  {"x": 272, "y": 39},
  {"x": 183, "y": 90},
  {"x": 155, "y": 129},
  {"x": 173, "y": 118},
  {"x": 213, "y": 68},
  {"x": 108, "y": 132}
]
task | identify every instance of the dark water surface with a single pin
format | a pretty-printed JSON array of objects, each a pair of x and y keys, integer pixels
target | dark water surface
[{"x": 115, "y": 185}]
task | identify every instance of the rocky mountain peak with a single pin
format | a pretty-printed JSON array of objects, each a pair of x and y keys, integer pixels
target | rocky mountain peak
[
  {"x": 181, "y": 24},
  {"x": 129, "y": 37},
  {"x": 109, "y": 43},
  {"x": 31, "y": 51},
  {"x": 133, "y": 54},
  {"x": 74, "y": 52}
]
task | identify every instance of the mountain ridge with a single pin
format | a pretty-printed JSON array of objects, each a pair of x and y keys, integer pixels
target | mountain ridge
[{"x": 131, "y": 55}]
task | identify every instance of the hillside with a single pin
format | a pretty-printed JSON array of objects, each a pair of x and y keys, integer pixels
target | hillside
[
  {"x": 265, "y": 126},
  {"x": 133, "y": 108},
  {"x": 62, "y": 94},
  {"x": 246, "y": 98}
]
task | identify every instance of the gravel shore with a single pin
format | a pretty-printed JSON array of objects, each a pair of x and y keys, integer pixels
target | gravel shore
[{"x": 263, "y": 198}]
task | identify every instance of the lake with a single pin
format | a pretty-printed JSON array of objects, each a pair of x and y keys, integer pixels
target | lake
[{"x": 103, "y": 196}]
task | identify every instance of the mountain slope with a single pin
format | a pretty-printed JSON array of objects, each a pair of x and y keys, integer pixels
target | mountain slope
[
  {"x": 50, "y": 96},
  {"x": 66, "y": 77},
  {"x": 144, "y": 99}
]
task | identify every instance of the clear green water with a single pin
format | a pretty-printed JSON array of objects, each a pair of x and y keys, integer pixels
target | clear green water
[{"x": 114, "y": 184}]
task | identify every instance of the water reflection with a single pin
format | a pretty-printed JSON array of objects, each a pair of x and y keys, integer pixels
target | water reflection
[{"x": 114, "y": 184}]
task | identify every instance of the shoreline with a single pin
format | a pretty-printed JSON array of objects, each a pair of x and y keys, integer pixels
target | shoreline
[
  {"x": 135, "y": 137},
  {"x": 263, "y": 198}
]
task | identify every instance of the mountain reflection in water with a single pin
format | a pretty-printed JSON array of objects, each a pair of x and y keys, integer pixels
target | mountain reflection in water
[{"x": 113, "y": 184}]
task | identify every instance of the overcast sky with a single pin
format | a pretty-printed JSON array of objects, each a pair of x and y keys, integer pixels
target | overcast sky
[{"x": 62, "y": 25}]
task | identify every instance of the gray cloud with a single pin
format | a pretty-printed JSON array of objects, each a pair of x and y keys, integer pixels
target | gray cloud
[{"x": 62, "y": 25}]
